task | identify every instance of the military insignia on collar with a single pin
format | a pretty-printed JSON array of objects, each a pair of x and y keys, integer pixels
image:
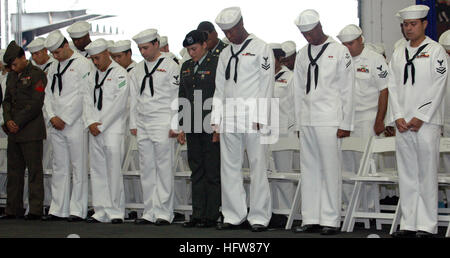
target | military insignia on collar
[
  {"x": 380, "y": 68},
  {"x": 347, "y": 56},
  {"x": 266, "y": 65},
  {"x": 248, "y": 54}
]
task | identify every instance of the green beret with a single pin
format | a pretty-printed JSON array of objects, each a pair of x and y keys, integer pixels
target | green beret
[{"x": 12, "y": 52}]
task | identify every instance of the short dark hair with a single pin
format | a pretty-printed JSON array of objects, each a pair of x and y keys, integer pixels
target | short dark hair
[
  {"x": 63, "y": 43},
  {"x": 424, "y": 19},
  {"x": 126, "y": 51},
  {"x": 154, "y": 41},
  {"x": 279, "y": 53},
  {"x": 206, "y": 26}
]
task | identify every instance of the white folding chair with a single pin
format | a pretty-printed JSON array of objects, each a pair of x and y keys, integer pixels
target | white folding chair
[
  {"x": 367, "y": 175},
  {"x": 274, "y": 175},
  {"x": 182, "y": 174},
  {"x": 356, "y": 145},
  {"x": 443, "y": 180}
]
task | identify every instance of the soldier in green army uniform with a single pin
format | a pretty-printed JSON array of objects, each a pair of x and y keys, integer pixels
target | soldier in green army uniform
[
  {"x": 214, "y": 44},
  {"x": 197, "y": 85},
  {"x": 25, "y": 127}
]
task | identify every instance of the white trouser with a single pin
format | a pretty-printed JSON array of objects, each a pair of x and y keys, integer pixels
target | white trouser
[
  {"x": 108, "y": 199},
  {"x": 417, "y": 162},
  {"x": 321, "y": 176},
  {"x": 68, "y": 156},
  {"x": 283, "y": 192},
  {"x": 446, "y": 162},
  {"x": 157, "y": 179},
  {"x": 234, "y": 205},
  {"x": 351, "y": 161}
]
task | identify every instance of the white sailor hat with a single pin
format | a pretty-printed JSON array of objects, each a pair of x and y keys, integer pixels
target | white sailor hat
[
  {"x": 54, "y": 40},
  {"x": 275, "y": 46},
  {"x": 163, "y": 41},
  {"x": 79, "y": 29},
  {"x": 349, "y": 33},
  {"x": 228, "y": 18},
  {"x": 444, "y": 40},
  {"x": 397, "y": 15},
  {"x": 110, "y": 43},
  {"x": 146, "y": 36},
  {"x": 376, "y": 47},
  {"x": 97, "y": 47},
  {"x": 414, "y": 12},
  {"x": 120, "y": 46},
  {"x": 289, "y": 48},
  {"x": 307, "y": 20},
  {"x": 36, "y": 45},
  {"x": 2, "y": 53}
]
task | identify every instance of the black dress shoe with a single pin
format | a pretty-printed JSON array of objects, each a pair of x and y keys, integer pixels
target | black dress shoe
[
  {"x": 8, "y": 217},
  {"x": 161, "y": 222},
  {"x": 424, "y": 234},
  {"x": 73, "y": 218},
  {"x": 92, "y": 220},
  {"x": 52, "y": 218},
  {"x": 210, "y": 223},
  {"x": 116, "y": 221},
  {"x": 328, "y": 231},
  {"x": 258, "y": 228},
  {"x": 192, "y": 223},
  {"x": 404, "y": 234},
  {"x": 33, "y": 217},
  {"x": 312, "y": 228},
  {"x": 142, "y": 222},
  {"x": 202, "y": 224},
  {"x": 227, "y": 226}
]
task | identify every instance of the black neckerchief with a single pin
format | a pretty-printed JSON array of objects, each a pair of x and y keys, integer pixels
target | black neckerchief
[
  {"x": 149, "y": 75},
  {"x": 409, "y": 62},
  {"x": 59, "y": 75},
  {"x": 233, "y": 55},
  {"x": 279, "y": 75},
  {"x": 313, "y": 62},
  {"x": 99, "y": 86}
]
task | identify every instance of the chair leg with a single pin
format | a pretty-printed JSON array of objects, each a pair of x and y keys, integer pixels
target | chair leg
[
  {"x": 396, "y": 220},
  {"x": 377, "y": 204},
  {"x": 295, "y": 207},
  {"x": 355, "y": 201}
]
